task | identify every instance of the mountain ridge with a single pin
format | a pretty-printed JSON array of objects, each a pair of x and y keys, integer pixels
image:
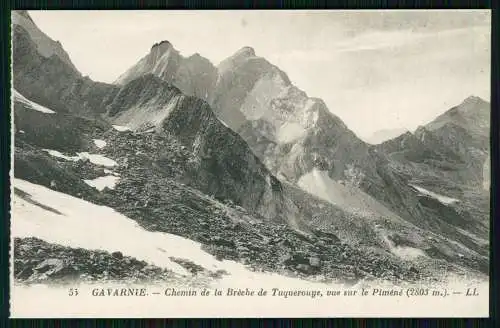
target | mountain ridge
[{"x": 181, "y": 170}]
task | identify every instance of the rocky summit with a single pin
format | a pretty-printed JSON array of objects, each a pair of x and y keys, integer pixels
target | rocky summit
[
  {"x": 238, "y": 160},
  {"x": 194, "y": 75}
]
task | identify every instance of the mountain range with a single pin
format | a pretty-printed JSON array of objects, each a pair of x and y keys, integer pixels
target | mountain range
[{"x": 237, "y": 158}]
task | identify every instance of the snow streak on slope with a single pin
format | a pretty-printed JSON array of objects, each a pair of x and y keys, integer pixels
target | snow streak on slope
[
  {"x": 58, "y": 154},
  {"x": 349, "y": 198},
  {"x": 30, "y": 104},
  {"x": 443, "y": 199},
  {"x": 121, "y": 128}
]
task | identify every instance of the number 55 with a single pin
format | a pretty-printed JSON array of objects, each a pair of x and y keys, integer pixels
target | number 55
[{"x": 73, "y": 292}]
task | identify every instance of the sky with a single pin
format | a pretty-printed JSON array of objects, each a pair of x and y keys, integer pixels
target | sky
[{"x": 376, "y": 70}]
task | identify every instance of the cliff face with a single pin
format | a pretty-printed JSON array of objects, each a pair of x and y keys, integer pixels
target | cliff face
[
  {"x": 222, "y": 164},
  {"x": 44, "y": 45},
  {"x": 291, "y": 132},
  {"x": 44, "y": 73}
]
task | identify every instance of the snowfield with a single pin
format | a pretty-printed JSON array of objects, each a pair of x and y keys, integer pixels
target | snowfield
[
  {"x": 80, "y": 224},
  {"x": 85, "y": 225},
  {"x": 443, "y": 199}
]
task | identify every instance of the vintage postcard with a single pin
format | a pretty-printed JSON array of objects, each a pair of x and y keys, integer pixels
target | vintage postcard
[{"x": 250, "y": 164}]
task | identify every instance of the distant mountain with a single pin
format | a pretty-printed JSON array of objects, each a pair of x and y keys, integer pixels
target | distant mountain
[
  {"x": 194, "y": 75},
  {"x": 383, "y": 135},
  {"x": 454, "y": 146},
  {"x": 450, "y": 157},
  {"x": 242, "y": 161},
  {"x": 301, "y": 142}
]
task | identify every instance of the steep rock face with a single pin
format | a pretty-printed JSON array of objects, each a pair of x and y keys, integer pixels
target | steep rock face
[
  {"x": 49, "y": 129},
  {"x": 44, "y": 45},
  {"x": 194, "y": 75},
  {"x": 289, "y": 131},
  {"x": 44, "y": 73},
  {"x": 295, "y": 135},
  {"x": 222, "y": 164}
]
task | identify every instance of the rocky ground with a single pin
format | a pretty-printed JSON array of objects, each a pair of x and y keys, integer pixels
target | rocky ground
[
  {"x": 36, "y": 261},
  {"x": 151, "y": 191}
]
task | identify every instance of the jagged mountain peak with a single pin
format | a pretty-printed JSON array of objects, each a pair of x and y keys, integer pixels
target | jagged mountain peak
[
  {"x": 194, "y": 75},
  {"x": 245, "y": 52},
  {"x": 164, "y": 44},
  {"x": 160, "y": 48}
]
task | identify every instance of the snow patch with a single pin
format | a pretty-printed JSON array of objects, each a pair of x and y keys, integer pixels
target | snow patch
[
  {"x": 19, "y": 97},
  {"x": 100, "y": 183},
  {"x": 100, "y": 143},
  {"x": 224, "y": 123},
  {"x": 98, "y": 159},
  {"x": 93, "y": 158},
  {"x": 121, "y": 128},
  {"x": 58, "y": 154},
  {"x": 443, "y": 199}
]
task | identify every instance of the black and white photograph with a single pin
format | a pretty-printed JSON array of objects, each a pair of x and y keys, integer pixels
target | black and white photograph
[{"x": 250, "y": 163}]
